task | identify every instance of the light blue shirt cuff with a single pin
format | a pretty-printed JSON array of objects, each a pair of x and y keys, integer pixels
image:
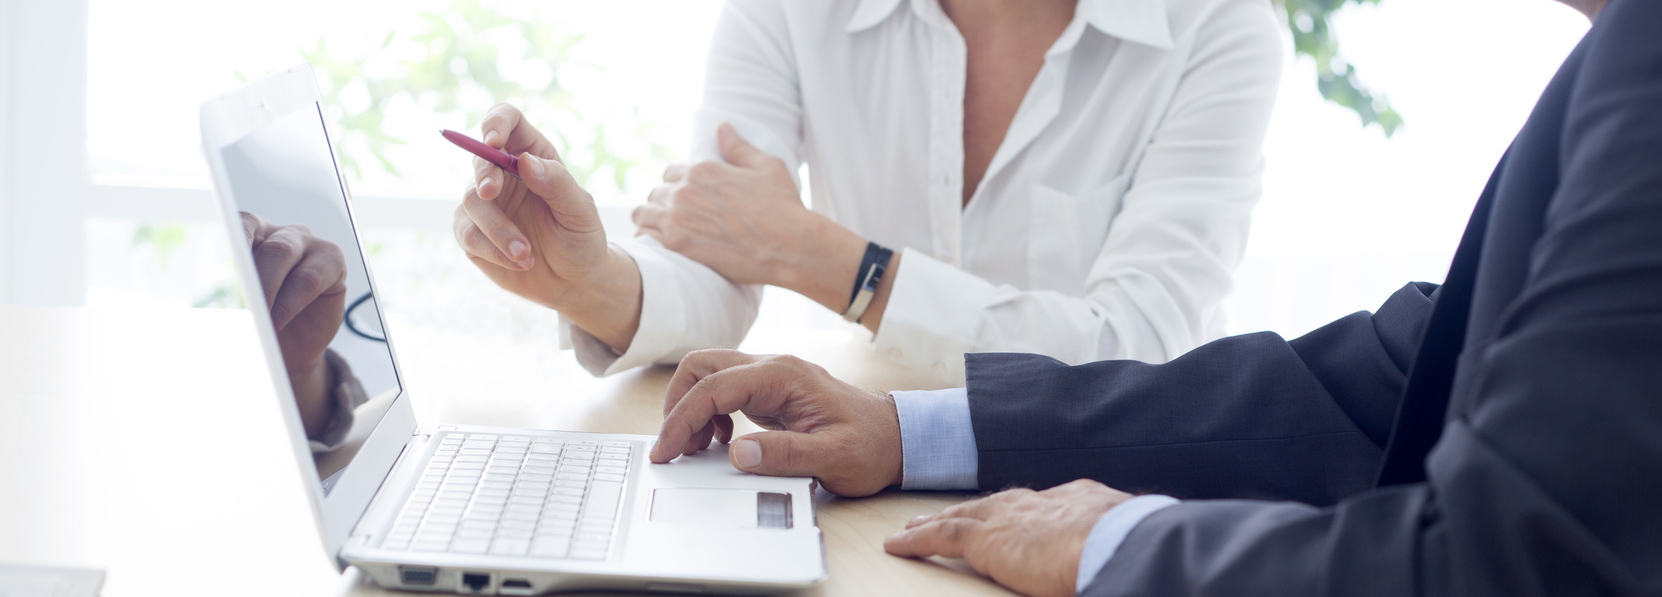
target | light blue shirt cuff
[
  {"x": 937, "y": 440},
  {"x": 1110, "y": 531}
]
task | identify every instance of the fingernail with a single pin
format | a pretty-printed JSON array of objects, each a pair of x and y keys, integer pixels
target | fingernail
[
  {"x": 532, "y": 163},
  {"x": 920, "y": 519},
  {"x": 490, "y": 138},
  {"x": 747, "y": 453},
  {"x": 516, "y": 251}
]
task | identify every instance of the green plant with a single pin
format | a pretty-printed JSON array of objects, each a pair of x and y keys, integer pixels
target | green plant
[
  {"x": 1311, "y": 25},
  {"x": 162, "y": 240},
  {"x": 454, "y": 64}
]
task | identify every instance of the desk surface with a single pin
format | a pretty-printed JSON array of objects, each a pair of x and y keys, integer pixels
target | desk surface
[{"x": 148, "y": 444}]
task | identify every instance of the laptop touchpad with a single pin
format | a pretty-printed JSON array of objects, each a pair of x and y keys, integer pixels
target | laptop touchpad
[{"x": 740, "y": 508}]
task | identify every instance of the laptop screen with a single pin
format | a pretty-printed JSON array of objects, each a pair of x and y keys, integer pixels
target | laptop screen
[{"x": 316, "y": 286}]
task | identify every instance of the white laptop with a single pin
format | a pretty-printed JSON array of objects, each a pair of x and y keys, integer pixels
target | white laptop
[{"x": 478, "y": 510}]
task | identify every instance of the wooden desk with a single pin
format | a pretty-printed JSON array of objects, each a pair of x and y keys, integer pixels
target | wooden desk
[{"x": 148, "y": 444}]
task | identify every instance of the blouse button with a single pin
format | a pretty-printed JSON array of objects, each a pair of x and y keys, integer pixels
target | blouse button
[
  {"x": 894, "y": 351},
  {"x": 940, "y": 369}
]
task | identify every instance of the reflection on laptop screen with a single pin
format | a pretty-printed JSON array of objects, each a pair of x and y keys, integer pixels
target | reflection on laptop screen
[{"x": 315, "y": 284}]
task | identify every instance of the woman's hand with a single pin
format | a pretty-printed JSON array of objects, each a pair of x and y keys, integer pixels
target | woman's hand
[
  {"x": 745, "y": 219},
  {"x": 539, "y": 236}
]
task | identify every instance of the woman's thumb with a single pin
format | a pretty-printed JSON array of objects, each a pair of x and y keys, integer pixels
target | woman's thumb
[{"x": 550, "y": 180}]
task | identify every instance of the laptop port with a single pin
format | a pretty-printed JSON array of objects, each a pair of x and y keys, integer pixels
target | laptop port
[
  {"x": 515, "y": 586},
  {"x": 418, "y": 576},
  {"x": 475, "y": 581}
]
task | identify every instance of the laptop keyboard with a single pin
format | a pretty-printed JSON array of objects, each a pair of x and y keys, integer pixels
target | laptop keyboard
[{"x": 517, "y": 496}]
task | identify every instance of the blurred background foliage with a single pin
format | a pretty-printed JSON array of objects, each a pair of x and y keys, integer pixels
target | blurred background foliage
[
  {"x": 1310, "y": 22},
  {"x": 460, "y": 61}
]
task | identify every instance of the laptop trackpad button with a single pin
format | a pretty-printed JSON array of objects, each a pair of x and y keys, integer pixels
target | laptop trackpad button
[{"x": 732, "y": 508}]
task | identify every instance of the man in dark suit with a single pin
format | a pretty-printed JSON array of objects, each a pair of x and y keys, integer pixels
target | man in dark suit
[{"x": 1498, "y": 435}]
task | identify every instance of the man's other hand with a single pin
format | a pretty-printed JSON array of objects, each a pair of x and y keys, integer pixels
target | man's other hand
[
  {"x": 821, "y": 427},
  {"x": 1029, "y": 541}
]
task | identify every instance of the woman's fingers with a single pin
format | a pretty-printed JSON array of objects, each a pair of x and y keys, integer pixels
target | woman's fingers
[
  {"x": 506, "y": 128},
  {"x": 486, "y": 232},
  {"x": 487, "y": 179}
]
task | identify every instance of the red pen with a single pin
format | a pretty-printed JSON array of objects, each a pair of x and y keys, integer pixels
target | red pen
[{"x": 493, "y": 155}]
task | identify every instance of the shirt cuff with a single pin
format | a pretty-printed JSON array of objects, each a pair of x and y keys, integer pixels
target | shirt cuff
[
  {"x": 1110, "y": 531},
  {"x": 933, "y": 315},
  {"x": 937, "y": 440}
]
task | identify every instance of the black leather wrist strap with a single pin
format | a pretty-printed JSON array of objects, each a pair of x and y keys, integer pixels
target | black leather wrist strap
[{"x": 866, "y": 280}]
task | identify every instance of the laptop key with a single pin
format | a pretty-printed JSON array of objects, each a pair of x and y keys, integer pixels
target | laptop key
[
  {"x": 509, "y": 546},
  {"x": 549, "y": 548},
  {"x": 429, "y": 545},
  {"x": 587, "y": 553},
  {"x": 603, "y": 499},
  {"x": 469, "y": 545}
]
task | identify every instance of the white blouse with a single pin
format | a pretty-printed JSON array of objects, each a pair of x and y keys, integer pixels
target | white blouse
[{"x": 1108, "y": 222}]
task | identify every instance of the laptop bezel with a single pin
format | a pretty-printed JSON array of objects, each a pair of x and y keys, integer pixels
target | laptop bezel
[{"x": 226, "y": 120}]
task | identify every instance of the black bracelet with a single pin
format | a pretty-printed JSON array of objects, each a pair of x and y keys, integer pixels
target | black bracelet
[
  {"x": 867, "y": 278},
  {"x": 873, "y": 250}
]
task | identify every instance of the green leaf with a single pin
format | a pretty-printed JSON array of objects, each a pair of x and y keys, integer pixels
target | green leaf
[{"x": 1310, "y": 22}]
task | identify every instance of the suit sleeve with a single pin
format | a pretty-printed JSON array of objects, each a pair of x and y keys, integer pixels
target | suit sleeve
[
  {"x": 1550, "y": 482},
  {"x": 1251, "y": 415}
]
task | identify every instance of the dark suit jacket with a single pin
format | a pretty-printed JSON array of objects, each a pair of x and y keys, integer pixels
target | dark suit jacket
[{"x": 1499, "y": 435}]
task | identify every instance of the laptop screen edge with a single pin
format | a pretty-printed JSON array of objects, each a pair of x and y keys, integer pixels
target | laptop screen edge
[{"x": 224, "y": 121}]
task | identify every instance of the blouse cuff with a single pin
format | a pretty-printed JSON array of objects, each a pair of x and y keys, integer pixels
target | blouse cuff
[
  {"x": 663, "y": 324},
  {"x": 933, "y": 315}
]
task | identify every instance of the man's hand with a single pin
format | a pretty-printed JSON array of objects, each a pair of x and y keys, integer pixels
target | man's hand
[
  {"x": 539, "y": 236},
  {"x": 1026, "y": 540},
  {"x": 304, "y": 280},
  {"x": 745, "y": 219},
  {"x": 847, "y": 437}
]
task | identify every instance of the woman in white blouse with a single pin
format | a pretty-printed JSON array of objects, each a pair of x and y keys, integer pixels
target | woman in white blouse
[{"x": 1066, "y": 177}]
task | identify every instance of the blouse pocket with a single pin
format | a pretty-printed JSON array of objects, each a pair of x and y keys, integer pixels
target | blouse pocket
[{"x": 1066, "y": 234}]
